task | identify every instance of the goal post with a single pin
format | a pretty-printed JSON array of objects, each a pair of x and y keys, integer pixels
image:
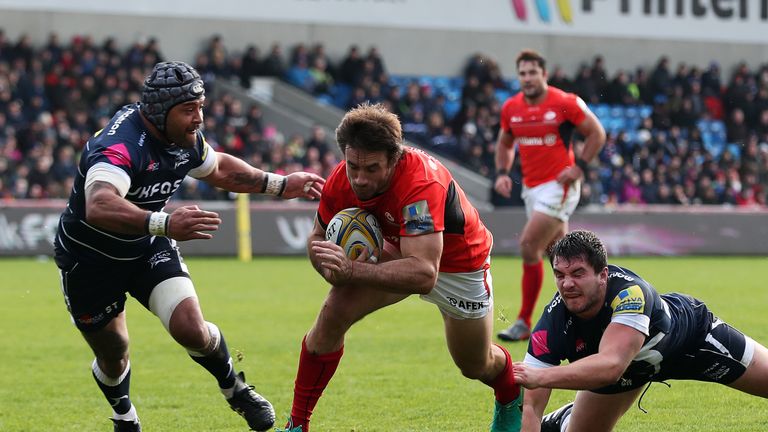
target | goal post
[{"x": 243, "y": 215}]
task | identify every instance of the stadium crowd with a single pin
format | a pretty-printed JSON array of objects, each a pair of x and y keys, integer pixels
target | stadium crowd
[{"x": 682, "y": 136}]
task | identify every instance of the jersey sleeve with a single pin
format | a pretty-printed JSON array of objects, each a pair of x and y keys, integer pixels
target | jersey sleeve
[
  {"x": 208, "y": 161},
  {"x": 575, "y": 109},
  {"x": 328, "y": 205},
  {"x": 423, "y": 209},
  {"x": 504, "y": 117},
  {"x": 632, "y": 306},
  {"x": 112, "y": 162}
]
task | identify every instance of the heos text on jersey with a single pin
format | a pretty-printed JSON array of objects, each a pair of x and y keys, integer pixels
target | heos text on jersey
[{"x": 165, "y": 188}]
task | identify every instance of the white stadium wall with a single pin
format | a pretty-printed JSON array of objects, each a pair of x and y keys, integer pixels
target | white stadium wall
[{"x": 423, "y": 36}]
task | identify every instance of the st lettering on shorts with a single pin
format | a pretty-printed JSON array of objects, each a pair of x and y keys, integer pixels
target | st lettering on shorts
[
  {"x": 553, "y": 199},
  {"x": 95, "y": 293},
  {"x": 467, "y": 295}
]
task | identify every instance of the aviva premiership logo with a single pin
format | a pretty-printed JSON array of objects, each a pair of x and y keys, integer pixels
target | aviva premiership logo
[{"x": 563, "y": 7}]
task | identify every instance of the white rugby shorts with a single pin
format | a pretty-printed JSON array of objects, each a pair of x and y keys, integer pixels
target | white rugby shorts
[
  {"x": 552, "y": 199},
  {"x": 464, "y": 295}
]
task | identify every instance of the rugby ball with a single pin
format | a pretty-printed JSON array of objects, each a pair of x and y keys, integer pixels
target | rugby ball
[{"x": 355, "y": 230}]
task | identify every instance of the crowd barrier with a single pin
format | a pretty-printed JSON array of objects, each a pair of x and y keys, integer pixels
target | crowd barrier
[{"x": 27, "y": 228}]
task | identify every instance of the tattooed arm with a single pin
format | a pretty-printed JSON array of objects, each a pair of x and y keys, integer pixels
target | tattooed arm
[
  {"x": 105, "y": 208},
  {"x": 235, "y": 175}
]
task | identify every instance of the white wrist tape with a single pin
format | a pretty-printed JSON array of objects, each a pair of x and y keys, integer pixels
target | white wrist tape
[
  {"x": 275, "y": 184},
  {"x": 158, "y": 223}
]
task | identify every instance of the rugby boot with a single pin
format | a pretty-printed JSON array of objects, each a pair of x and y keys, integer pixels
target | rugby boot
[
  {"x": 291, "y": 428},
  {"x": 126, "y": 425},
  {"x": 509, "y": 417},
  {"x": 253, "y": 407},
  {"x": 518, "y": 331},
  {"x": 552, "y": 422}
]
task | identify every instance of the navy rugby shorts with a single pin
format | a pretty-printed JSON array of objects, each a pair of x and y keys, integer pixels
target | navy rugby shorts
[{"x": 95, "y": 292}]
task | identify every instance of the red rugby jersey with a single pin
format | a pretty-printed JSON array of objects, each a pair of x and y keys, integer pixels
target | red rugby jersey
[
  {"x": 542, "y": 133},
  {"x": 423, "y": 198}
]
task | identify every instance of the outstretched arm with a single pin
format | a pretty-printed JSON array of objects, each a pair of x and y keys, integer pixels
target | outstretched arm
[
  {"x": 534, "y": 403},
  {"x": 618, "y": 346},
  {"x": 235, "y": 175},
  {"x": 105, "y": 208}
]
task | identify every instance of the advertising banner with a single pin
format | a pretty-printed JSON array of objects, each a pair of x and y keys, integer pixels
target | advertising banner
[
  {"x": 696, "y": 20},
  {"x": 283, "y": 230}
]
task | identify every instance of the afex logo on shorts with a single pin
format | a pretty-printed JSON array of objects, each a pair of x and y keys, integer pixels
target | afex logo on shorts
[{"x": 467, "y": 305}]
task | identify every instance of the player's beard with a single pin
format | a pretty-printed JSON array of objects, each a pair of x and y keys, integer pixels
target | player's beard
[{"x": 533, "y": 92}]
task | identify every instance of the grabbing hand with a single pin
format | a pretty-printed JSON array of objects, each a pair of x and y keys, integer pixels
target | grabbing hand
[
  {"x": 303, "y": 185},
  {"x": 527, "y": 376},
  {"x": 189, "y": 222}
]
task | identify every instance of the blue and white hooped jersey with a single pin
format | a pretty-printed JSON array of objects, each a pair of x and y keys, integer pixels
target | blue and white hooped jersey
[{"x": 144, "y": 170}]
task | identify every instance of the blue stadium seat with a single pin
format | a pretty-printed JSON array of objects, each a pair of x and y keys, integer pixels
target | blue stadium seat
[
  {"x": 602, "y": 111},
  {"x": 645, "y": 111},
  {"x": 452, "y": 107},
  {"x": 735, "y": 150},
  {"x": 502, "y": 95}
]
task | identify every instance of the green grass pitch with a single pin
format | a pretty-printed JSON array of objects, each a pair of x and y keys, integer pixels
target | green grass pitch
[{"x": 396, "y": 374}]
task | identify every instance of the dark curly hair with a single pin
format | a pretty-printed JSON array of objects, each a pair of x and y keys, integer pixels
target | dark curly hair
[{"x": 580, "y": 244}]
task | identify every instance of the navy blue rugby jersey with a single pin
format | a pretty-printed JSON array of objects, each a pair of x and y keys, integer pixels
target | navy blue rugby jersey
[
  {"x": 144, "y": 170},
  {"x": 670, "y": 323}
]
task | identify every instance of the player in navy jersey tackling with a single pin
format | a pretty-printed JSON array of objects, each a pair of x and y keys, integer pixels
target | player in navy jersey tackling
[
  {"x": 114, "y": 237},
  {"x": 618, "y": 334}
]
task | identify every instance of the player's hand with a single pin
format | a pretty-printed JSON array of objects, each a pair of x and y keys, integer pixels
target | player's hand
[
  {"x": 189, "y": 222},
  {"x": 527, "y": 376},
  {"x": 570, "y": 175},
  {"x": 503, "y": 186},
  {"x": 334, "y": 265},
  {"x": 303, "y": 185}
]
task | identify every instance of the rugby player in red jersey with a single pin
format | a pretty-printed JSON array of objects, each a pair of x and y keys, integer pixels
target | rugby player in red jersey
[
  {"x": 436, "y": 247},
  {"x": 538, "y": 123}
]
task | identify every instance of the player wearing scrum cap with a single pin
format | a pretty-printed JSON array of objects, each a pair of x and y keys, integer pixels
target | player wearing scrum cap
[{"x": 114, "y": 237}]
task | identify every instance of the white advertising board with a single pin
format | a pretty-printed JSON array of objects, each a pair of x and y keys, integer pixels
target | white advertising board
[{"x": 689, "y": 20}]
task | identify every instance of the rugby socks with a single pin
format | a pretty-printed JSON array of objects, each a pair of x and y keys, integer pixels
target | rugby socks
[
  {"x": 218, "y": 361},
  {"x": 533, "y": 278},
  {"x": 315, "y": 371},
  {"x": 504, "y": 387},
  {"x": 116, "y": 391}
]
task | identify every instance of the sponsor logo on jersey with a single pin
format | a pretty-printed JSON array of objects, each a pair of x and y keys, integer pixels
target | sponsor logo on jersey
[
  {"x": 418, "y": 219},
  {"x": 113, "y": 129},
  {"x": 181, "y": 159},
  {"x": 164, "y": 188},
  {"x": 629, "y": 300},
  {"x": 580, "y": 345},
  {"x": 515, "y": 119},
  {"x": 554, "y": 303},
  {"x": 467, "y": 305},
  {"x": 626, "y": 277},
  {"x": 153, "y": 166},
  {"x": 142, "y": 138},
  {"x": 158, "y": 258},
  {"x": 548, "y": 140},
  {"x": 550, "y": 115}
]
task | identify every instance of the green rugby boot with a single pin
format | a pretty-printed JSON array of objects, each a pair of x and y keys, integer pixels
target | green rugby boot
[{"x": 509, "y": 417}]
